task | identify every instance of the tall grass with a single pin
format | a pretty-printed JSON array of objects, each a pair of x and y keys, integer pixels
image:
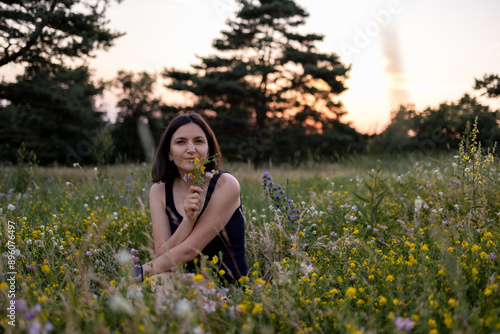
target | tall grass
[{"x": 352, "y": 249}]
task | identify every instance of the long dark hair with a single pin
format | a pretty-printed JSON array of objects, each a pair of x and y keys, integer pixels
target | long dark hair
[{"x": 165, "y": 170}]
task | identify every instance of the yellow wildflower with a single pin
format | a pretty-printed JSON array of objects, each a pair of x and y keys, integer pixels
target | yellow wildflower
[
  {"x": 45, "y": 269},
  {"x": 448, "y": 322},
  {"x": 242, "y": 308},
  {"x": 351, "y": 292},
  {"x": 198, "y": 277},
  {"x": 260, "y": 281},
  {"x": 390, "y": 278},
  {"x": 475, "y": 248},
  {"x": 452, "y": 302},
  {"x": 257, "y": 308}
]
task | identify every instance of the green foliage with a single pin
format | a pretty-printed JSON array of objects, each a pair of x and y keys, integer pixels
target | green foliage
[
  {"x": 373, "y": 211},
  {"x": 473, "y": 164},
  {"x": 324, "y": 273},
  {"x": 51, "y": 107},
  {"x": 137, "y": 103},
  {"x": 57, "y": 119},
  {"x": 45, "y": 33},
  {"x": 26, "y": 164},
  {"x": 438, "y": 129},
  {"x": 490, "y": 83}
]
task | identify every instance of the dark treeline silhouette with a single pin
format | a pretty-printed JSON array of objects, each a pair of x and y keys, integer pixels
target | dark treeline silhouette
[
  {"x": 437, "y": 129},
  {"x": 268, "y": 93}
]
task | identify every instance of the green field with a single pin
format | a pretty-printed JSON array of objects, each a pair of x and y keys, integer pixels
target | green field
[{"x": 409, "y": 244}]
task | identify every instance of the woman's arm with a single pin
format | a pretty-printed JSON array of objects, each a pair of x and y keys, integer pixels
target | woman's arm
[
  {"x": 192, "y": 208},
  {"x": 225, "y": 200},
  {"x": 159, "y": 218}
]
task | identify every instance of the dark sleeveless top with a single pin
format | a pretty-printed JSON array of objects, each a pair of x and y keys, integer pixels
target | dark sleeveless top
[{"x": 230, "y": 241}]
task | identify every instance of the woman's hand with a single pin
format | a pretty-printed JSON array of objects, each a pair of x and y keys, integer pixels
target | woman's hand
[{"x": 192, "y": 203}]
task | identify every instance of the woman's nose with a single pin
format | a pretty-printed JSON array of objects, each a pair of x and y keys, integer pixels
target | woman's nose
[{"x": 190, "y": 147}]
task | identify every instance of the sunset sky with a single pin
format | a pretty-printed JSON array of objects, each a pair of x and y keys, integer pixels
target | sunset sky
[{"x": 402, "y": 51}]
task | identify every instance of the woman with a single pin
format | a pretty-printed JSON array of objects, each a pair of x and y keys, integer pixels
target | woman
[{"x": 188, "y": 220}]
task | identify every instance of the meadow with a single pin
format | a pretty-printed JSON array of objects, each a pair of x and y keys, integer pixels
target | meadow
[{"x": 403, "y": 244}]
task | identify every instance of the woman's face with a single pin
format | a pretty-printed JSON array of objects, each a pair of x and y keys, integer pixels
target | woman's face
[{"x": 188, "y": 142}]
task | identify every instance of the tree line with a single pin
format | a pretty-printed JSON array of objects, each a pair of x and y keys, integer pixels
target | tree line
[{"x": 267, "y": 91}]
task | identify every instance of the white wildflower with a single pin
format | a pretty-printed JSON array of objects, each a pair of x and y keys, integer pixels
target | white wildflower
[
  {"x": 418, "y": 203},
  {"x": 119, "y": 304},
  {"x": 184, "y": 307},
  {"x": 134, "y": 291},
  {"x": 306, "y": 268},
  {"x": 210, "y": 306},
  {"x": 123, "y": 257},
  {"x": 11, "y": 207}
]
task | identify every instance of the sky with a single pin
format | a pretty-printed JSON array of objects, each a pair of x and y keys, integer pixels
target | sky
[{"x": 418, "y": 52}]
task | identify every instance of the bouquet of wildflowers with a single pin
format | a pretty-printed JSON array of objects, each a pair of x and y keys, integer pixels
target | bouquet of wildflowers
[{"x": 199, "y": 177}]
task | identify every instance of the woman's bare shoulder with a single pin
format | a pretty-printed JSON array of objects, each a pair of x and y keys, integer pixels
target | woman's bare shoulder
[
  {"x": 228, "y": 182},
  {"x": 157, "y": 189}
]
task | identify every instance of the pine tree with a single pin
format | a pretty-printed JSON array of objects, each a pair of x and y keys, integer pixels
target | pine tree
[
  {"x": 45, "y": 33},
  {"x": 264, "y": 77}
]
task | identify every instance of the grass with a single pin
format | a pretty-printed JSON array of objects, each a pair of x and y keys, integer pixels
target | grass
[{"x": 410, "y": 245}]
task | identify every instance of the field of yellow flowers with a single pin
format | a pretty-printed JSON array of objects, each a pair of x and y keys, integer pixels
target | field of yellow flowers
[{"x": 406, "y": 245}]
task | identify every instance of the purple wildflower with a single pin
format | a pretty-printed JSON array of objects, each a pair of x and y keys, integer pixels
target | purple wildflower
[{"x": 404, "y": 324}]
